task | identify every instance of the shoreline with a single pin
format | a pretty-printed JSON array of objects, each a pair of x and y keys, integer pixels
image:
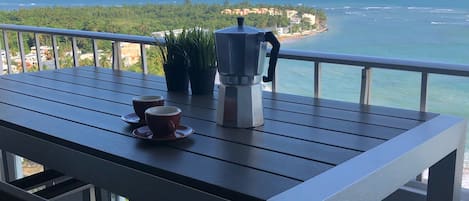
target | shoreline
[{"x": 300, "y": 35}]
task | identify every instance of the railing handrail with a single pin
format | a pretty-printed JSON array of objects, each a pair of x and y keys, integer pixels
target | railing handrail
[
  {"x": 376, "y": 62},
  {"x": 83, "y": 34}
]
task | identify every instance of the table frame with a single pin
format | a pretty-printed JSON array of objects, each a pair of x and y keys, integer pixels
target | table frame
[{"x": 443, "y": 147}]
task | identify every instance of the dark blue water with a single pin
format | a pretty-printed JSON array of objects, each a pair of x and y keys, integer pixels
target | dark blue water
[{"x": 427, "y": 30}]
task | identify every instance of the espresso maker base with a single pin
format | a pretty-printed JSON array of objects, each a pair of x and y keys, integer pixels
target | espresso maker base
[{"x": 240, "y": 106}]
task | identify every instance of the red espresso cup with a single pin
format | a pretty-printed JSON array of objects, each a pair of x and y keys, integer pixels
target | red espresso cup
[
  {"x": 142, "y": 103},
  {"x": 163, "y": 120}
]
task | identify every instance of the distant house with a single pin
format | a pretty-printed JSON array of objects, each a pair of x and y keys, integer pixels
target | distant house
[
  {"x": 256, "y": 11},
  {"x": 226, "y": 11},
  {"x": 237, "y": 12},
  {"x": 247, "y": 11},
  {"x": 282, "y": 30},
  {"x": 161, "y": 34},
  {"x": 130, "y": 53},
  {"x": 42, "y": 49},
  {"x": 295, "y": 20},
  {"x": 291, "y": 13},
  {"x": 273, "y": 11},
  {"x": 309, "y": 18}
]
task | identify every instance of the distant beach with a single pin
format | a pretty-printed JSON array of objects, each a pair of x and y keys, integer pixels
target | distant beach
[{"x": 301, "y": 35}]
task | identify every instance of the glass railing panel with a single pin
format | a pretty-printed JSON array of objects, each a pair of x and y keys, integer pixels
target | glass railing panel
[
  {"x": 392, "y": 88},
  {"x": 294, "y": 77},
  {"x": 341, "y": 82}
]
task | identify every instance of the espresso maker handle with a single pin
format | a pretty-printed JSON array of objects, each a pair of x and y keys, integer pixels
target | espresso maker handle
[{"x": 270, "y": 37}]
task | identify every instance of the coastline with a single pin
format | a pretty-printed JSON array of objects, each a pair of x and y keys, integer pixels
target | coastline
[{"x": 300, "y": 35}]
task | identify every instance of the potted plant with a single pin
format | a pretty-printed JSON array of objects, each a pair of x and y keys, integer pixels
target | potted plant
[
  {"x": 202, "y": 58},
  {"x": 175, "y": 61}
]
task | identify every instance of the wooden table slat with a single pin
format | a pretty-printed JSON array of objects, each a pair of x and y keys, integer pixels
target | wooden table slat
[
  {"x": 278, "y": 105},
  {"x": 372, "y": 109}
]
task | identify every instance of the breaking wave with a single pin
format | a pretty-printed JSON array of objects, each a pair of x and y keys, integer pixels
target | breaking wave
[
  {"x": 442, "y": 10},
  {"x": 466, "y": 23},
  {"x": 355, "y": 13},
  {"x": 419, "y": 8},
  {"x": 378, "y": 8}
]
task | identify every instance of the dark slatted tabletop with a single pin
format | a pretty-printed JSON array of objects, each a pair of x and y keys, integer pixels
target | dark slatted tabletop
[{"x": 302, "y": 137}]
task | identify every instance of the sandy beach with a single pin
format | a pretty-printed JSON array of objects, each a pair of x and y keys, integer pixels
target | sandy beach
[{"x": 300, "y": 35}]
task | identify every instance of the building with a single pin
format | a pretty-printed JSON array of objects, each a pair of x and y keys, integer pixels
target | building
[
  {"x": 295, "y": 20},
  {"x": 309, "y": 18},
  {"x": 161, "y": 34},
  {"x": 247, "y": 11},
  {"x": 291, "y": 13},
  {"x": 282, "y": 30},
  {"x": 130, "y": 53},
  {"x": 226, "y": 11}
]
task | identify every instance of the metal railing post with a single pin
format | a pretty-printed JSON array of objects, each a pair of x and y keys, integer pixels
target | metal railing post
[
  {"x": 1, "y": 62},
  {"x": 116, "y": 56},
  {"x": 143, "y": 57},
  {"x": 9, "y": 163},
  {"x": 38, "y": 51},
  {"x": 113, "y": 55},
  {"x": 365, "y": 91},
  {"x": 317, "y": 79},
  {"x": 423, "y": 92},
  {"x": 423, "y": 103},
  {"x": 22, "y": 55},
  {"x": 3, "y": 163},
  {"x": 7, "y": 51},
  {"x": 75, "y": 52},
  {"x": 95, "y": 53},
  {"x": 55, "y": 48},
  {"x": 274, "y": 82}
]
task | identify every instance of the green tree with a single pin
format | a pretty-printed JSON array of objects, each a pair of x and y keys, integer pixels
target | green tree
[{"x": 104, "y": 60}]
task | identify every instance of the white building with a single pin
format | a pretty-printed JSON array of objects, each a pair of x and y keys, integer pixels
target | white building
[
  {"x": 291, "y": 13},
  {"x": 310, "y": 18},
  {"x": 282, "y": 30},
  {"x": 295, "y": 20},
  {"x": 161, "y": 34}
]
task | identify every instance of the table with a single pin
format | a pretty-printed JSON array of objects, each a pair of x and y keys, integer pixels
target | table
[{"x": 308, "y": 149}]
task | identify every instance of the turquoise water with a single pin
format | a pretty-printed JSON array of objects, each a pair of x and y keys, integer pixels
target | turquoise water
[
  {"x": 429, "y": 32},
  {"x": 436, "y": 30}
]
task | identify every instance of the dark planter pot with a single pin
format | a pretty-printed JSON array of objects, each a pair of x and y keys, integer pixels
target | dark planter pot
[
  {"x": 177, "y": 78},
  {"x": 202, "y": 81}
]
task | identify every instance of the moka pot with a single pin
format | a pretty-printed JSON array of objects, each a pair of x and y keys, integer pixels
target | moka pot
[{"x": 241, "y": 51}]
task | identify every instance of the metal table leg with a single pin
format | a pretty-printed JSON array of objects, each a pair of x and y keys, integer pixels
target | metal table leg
[{"x": 444, "y": 180}]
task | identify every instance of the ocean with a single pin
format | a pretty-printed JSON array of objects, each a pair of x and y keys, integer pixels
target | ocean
[{"x": 426, "y": 30}]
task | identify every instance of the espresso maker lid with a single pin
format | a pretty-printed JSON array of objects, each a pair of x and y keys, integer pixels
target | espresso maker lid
[{"x": 241, "y": 29}]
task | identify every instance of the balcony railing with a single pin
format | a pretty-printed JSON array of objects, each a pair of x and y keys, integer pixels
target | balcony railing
[
  {"x": 366, "y": 63},
  {"x": 74, "y": 34}
]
